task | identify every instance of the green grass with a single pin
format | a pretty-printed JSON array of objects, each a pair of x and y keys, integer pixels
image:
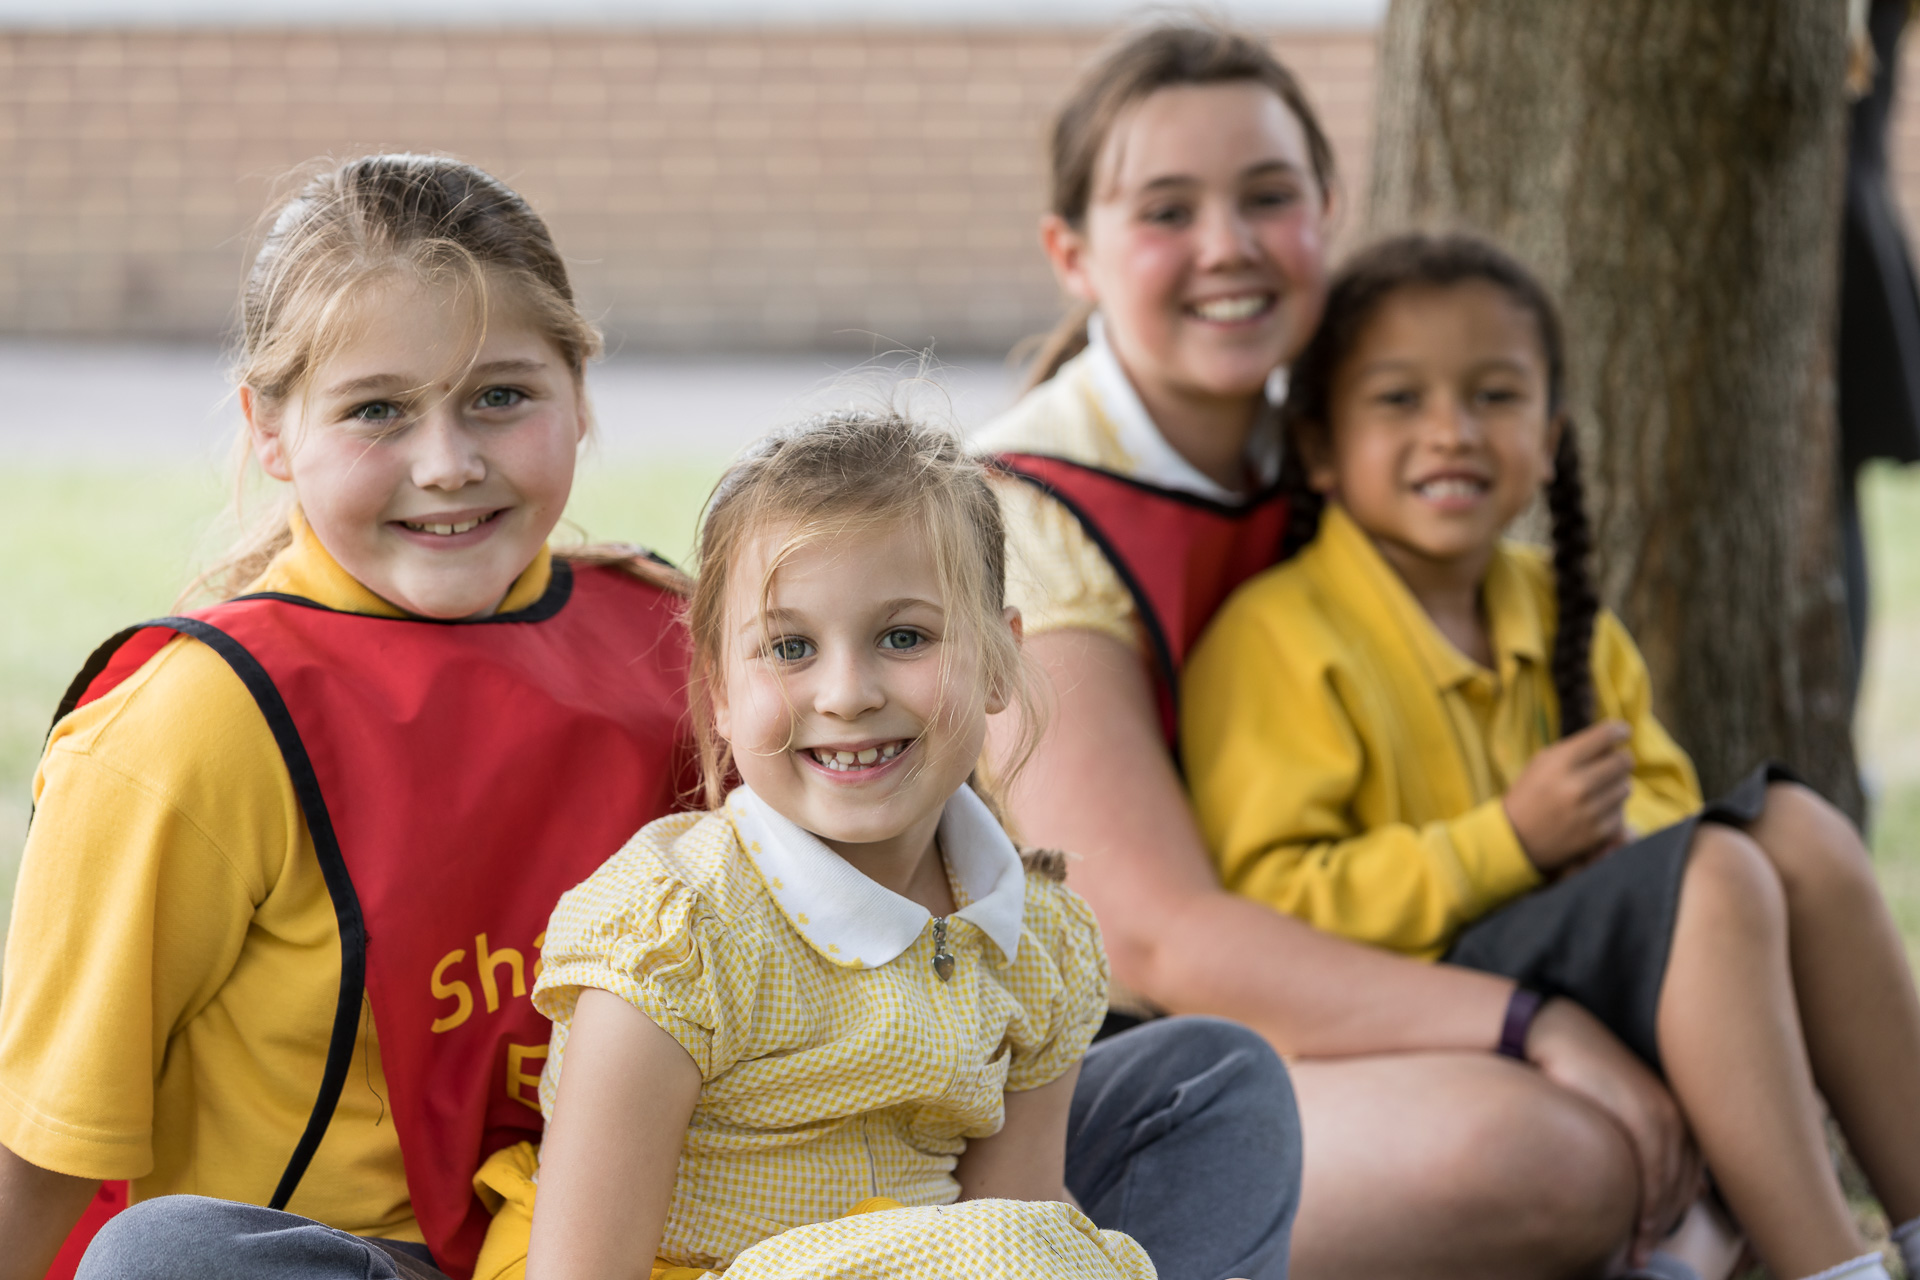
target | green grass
[
  {"x": 88, "y": 549},
  {"x": 1889, "y": 718}
]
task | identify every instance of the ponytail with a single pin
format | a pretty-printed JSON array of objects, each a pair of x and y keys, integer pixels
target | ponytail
[
  {"x": 1053, "y": 349},
  {"x": 1574, "y": 596}
]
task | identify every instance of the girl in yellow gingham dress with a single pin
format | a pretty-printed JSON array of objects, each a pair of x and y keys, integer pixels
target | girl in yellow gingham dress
[{"x": 831, "y": 1027}]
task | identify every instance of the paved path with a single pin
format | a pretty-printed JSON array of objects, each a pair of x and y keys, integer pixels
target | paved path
[{"x": 122, "y": 402}]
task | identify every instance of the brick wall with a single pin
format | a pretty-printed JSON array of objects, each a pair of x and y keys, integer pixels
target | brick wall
[
  {"x": 743, "y": 188},
  {"x": 747, "y": 188}
]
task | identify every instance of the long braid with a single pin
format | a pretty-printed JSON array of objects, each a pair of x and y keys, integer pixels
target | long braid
[
  {"x": 1577, "y": 602},
  {"x": 1304, "y": 504}
]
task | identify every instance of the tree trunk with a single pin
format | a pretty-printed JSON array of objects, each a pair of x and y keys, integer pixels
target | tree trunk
[{"x": 1672, "y": 170}]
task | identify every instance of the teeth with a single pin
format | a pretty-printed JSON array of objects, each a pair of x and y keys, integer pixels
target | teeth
[
  {"x": 843, "y": 761},
  {"x": 1225, "y": 309},
  {"x": 1451, "y": 488},
  {"x": 444, "y": 530}
]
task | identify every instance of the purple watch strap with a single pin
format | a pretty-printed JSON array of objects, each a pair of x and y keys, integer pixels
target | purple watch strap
[{"x": 1522, "y": 1007}]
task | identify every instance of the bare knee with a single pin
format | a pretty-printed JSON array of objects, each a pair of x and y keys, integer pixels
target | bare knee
[
  {"x": 1816, "y": 850},
  {"x": 1733, "y": 889},
  {"x": 1559, "y": 1173},
  {"x": 1549, "y": 1179}
]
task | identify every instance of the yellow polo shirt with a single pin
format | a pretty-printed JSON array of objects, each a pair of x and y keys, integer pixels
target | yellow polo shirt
[
  {"x": 1347, "y": 763},
  {"x": 1056, "y": 576},
  {"x": 174, "y": 962}
]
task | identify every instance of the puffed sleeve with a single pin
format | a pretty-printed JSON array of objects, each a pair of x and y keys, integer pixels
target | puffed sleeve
[
  {"x": 647, "y": 934},
  {"x": 1060, "y": 984}
]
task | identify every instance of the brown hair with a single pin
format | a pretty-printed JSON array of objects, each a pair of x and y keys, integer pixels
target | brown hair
[
  {"x": 845, "y": 473},
  {"x": 1137, "y": 65},
  {"x": 350, "y": 225},
  {"x": 1356, "y": 295}
]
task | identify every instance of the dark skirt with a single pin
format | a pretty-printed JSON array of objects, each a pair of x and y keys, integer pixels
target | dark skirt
[{"x": 1601, "y": 936}]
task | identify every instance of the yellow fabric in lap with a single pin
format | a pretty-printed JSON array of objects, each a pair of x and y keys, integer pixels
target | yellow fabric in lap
[
  {"x": 173, "y": 962},
  {"x": 1347, "y": 763},
  {"x": 505, "y": 1185}
]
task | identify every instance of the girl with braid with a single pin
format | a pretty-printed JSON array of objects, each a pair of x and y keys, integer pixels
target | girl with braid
[{"x": 1419, "y": 736}]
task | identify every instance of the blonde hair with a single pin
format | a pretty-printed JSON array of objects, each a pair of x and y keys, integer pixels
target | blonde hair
[
  {"x": 849, "y": 472},
  {"x": 1140, "y": 63},
  {"x": 351, "y": 225}
]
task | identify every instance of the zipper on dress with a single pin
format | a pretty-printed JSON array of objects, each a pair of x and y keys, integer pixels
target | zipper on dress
[{"x": 942, "y": 958}]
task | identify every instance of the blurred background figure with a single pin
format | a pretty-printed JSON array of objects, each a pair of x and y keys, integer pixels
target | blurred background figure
[{"x": 1879, "y": 352}]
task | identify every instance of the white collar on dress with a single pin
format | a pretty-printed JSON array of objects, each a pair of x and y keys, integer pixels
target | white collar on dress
[
  {"x": 1156, "y": 461},
  {"x": 855, "y": 922}
]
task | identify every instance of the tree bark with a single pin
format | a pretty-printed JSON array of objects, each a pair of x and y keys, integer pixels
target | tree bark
[{"x": 1672, "y": 169}]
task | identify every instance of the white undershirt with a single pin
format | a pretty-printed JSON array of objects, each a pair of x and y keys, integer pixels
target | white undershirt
[{"x": 1158, "y": 462}]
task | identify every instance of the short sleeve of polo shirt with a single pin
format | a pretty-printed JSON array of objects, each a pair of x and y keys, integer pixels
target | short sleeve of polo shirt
[{"x": 1056, "y": 576}]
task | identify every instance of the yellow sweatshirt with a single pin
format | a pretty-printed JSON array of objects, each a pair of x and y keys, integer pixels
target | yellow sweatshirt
[{"x": 1347, "y": 762}]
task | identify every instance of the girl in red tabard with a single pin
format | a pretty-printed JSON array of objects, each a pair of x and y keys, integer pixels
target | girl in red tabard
[
  {"x": 283, "y": 897},
  {"x": 1193, "y": 193}
]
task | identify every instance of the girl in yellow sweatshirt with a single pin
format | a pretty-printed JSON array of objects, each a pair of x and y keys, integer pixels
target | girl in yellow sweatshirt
[{"x": 1417, "y": 735}]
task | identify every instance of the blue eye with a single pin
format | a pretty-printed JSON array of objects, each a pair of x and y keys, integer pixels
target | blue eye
[
  {"x": 901, "y": 638},
  {"x": 379, "y": 412},
  {"x": 499, "y": 398},
  {"x": 791, "y": 649}
]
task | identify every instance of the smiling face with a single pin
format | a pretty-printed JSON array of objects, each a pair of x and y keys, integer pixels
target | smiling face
[
  {"x": 434, "y": 482},
  {"x": 1204, "y": 243},
  {"x": 1442, "y": 431},
  {"x": 851, "y": 694}
]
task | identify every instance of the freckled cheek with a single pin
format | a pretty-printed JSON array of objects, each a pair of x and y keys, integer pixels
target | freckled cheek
[
  {"x": 345, "y": 489},
  {"x": 539, "y": 459}
]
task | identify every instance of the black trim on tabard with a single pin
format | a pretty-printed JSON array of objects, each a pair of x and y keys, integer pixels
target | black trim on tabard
[
  {"x": 1231, "y": 510},
  {"x": 552, "y": 601},
  {"x": 333, "y": 867},
  {"x": 96, "y": 663},
  {"x": 77, "y": 689},
  {"x": 1149, "y": 620}
]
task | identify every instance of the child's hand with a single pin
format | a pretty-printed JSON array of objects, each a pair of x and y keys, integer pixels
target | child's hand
[{"x": 1570, "y": 801}]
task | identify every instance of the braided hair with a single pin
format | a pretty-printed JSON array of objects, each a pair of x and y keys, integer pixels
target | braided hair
[{"x": 1362, "y": 285}]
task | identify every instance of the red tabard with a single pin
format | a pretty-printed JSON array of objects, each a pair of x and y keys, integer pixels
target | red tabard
[
  {"x": 457, "y": 778},
  {"x": 1180, "y": 555}
]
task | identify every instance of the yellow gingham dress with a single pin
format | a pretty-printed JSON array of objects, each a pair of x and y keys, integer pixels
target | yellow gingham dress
[{"x": 835, "y": 1064}]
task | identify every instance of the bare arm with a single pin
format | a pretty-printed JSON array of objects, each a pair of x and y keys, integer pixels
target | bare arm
[
  {"x": 37, "y": 1209},
  {"x": 608, "y": 1161},
  {"x": 1102, "y": 786},
  {"x": 1027, "y": 1159}
]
